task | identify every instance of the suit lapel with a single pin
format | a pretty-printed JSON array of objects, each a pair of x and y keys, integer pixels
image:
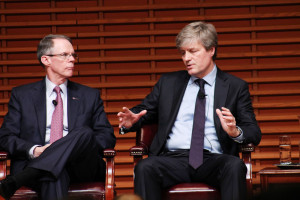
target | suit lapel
[
  {"x": 221, "y": 90},
  {"x": 73, "y": 104},
  {"x": 38, "y": 94},
  {"x": 179, "y": 89},
  {"x": 178, "y": 92}
]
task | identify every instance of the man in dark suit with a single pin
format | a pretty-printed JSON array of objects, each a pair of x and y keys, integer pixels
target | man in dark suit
[
  {"x": 39, "y": 160},
  {"x": 228, "y": 119}
]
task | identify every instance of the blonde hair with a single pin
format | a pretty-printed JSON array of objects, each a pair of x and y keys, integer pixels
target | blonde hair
[{"x": 201, "y": 32}]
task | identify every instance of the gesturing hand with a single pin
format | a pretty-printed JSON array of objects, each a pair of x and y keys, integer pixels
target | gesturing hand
[
  {"x": 228, "y": 122},
  {"x": 128, "y": 118}
]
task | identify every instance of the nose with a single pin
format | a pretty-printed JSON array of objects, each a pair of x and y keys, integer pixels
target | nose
[
  {"x": 72, "y": 58},
  {"x": 186, "y": 56}
]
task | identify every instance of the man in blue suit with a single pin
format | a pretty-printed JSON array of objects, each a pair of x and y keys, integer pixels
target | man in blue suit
[
  {"x": 227, "y": 116},
  {"x": 49, "y": 166}
]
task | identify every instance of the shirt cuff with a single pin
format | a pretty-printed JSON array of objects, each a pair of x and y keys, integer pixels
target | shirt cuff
[
  {"x": 240, "y": 138},
  {"x": 31, "y": 155}
]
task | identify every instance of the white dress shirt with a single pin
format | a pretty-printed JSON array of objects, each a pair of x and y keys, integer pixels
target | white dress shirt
[{"x": 50, "y": 107}]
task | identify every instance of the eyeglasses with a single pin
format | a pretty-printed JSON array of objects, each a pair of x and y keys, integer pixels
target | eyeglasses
[{"x": 65, "y": 56}]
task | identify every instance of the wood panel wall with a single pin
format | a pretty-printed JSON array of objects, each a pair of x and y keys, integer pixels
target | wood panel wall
[{"x": 125, "y": 45}]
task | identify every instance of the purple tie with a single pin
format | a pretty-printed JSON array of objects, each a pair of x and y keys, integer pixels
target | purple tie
[
  {"x": 57, "y": 118},
  {"x": 196, "y": 150}
]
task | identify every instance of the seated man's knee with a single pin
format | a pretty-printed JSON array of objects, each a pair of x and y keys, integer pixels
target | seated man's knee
[
  {"x": 85, "y": 133},
  {"x": 235, "y": 166},
  {"x": 144, "y": 166}
]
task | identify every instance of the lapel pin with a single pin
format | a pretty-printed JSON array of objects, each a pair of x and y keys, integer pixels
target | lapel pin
[{"x": 74, "y": 98}]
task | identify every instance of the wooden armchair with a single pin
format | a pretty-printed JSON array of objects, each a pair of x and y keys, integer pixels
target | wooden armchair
[
  {"x": 87, "y": 191},
  {"x": 190, "y": 191}
]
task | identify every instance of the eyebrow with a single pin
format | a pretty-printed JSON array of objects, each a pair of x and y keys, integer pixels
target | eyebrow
[{"x": 189, "y": 49}]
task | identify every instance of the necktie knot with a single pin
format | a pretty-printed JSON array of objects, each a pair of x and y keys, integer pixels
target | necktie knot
[
  {"x": 201, "y": 83},
  {"x": 57, "y": 89},
  {"x": 201, "y": 93}
]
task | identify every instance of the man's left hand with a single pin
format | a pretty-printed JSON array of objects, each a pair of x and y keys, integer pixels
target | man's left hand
[
  {"x": 39, "y": 150},
  {"x": 228, "y": 122}
]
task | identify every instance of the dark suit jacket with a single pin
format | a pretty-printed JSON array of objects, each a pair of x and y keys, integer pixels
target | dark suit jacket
[
  {"x": 163, "y": 103},
  {"x": 25, "y": 123}
]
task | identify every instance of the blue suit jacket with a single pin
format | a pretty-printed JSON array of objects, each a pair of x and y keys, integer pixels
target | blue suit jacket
[
  {"x": 25, "y": 123},
  {"x": 163, "y": 103}
]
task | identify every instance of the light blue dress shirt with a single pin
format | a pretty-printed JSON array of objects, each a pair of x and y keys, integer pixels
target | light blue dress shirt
[{"x": 181, "y": 133}]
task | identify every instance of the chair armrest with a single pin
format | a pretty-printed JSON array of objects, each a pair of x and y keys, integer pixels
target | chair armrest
[
  {"x": 109, "y": 155},
  {"x": 3, "y": 164},
  {"x": 246, "y": 147},
  {"x": 246, "y": 150},
  {"x": 138, "y": 150},
  {"x": 144, "y": 137},
  {"x": 3, "y": 155}
]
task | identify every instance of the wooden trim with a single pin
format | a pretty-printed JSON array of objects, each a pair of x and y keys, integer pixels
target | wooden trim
[{"x": 158, "y": 32}]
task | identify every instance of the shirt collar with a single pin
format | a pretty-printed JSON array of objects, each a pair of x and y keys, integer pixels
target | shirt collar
[
  {"x": 209, "y": 78},
  {"x": 50, "y": 86}
]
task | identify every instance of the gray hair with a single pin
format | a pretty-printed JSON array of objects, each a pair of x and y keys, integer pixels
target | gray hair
[
  {"x": 46, "y": 44},
  {"x": 199, "y": 31}
]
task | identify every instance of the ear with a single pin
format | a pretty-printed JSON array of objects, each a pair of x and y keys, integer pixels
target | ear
[
  {"x": 45, "y": 60},
  {"x": 212, "y": 51}
]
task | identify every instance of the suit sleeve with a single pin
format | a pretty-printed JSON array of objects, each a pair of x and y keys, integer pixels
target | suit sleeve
[
  {"x": 150, "y": 103},
  {"x": 10, "y": 131},
  {"x": 102, "y": 128},
  {"x": 245, "y": 116}
]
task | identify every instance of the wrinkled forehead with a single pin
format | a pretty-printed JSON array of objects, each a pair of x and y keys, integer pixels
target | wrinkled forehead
[{"x": 62, "y": 44}]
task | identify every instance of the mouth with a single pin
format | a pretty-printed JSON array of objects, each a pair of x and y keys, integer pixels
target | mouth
[
  {"x": 189, "y": 66},
  {"x": 70, "y": 68}
]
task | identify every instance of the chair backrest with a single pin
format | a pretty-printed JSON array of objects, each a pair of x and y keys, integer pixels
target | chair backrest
[{"x": 145, "y": 135}]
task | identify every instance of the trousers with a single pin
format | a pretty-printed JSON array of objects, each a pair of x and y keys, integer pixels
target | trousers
[
  {"x": 73, "y": 158},
  {"x": 224, "y": 172}
]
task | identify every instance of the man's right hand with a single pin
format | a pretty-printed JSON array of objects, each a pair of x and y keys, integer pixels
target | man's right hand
[
  {"x": 39, "y": 150},
  {"x": 128, "y": 118}
]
